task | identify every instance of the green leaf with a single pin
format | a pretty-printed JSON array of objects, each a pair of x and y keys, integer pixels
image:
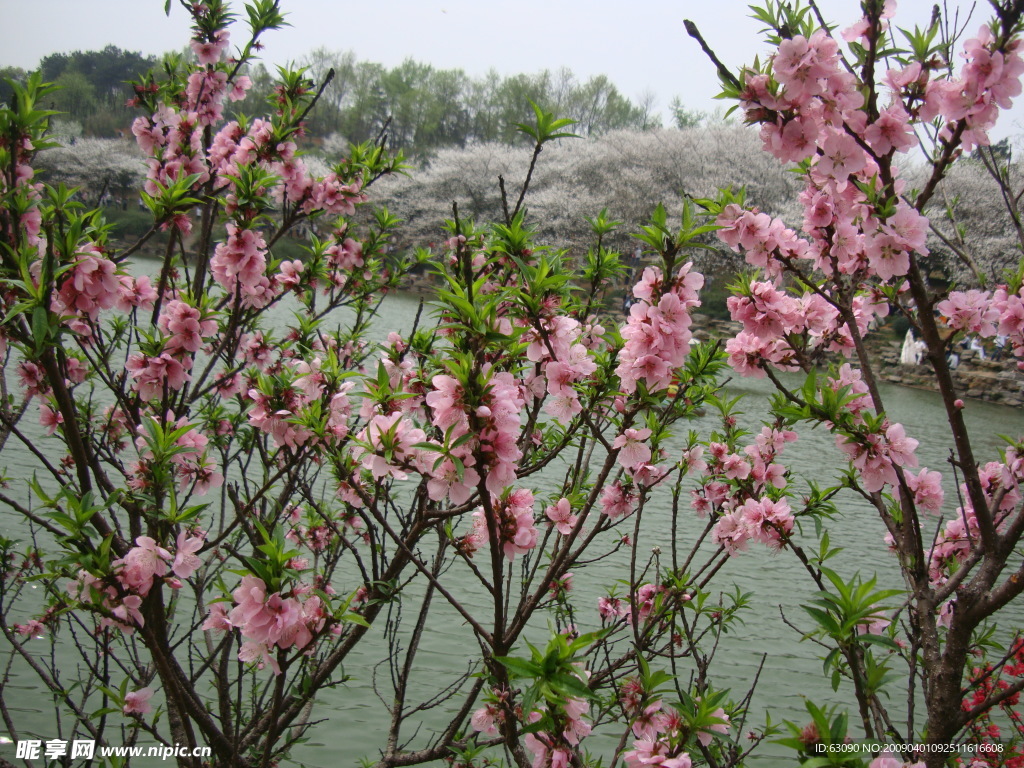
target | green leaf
[
  {"x": 546, "y": 127},
  {"x": 40, "y": 327},
  {"x": 520, "y": 667},
  {"x": 355, "y": 618},
  {"x": 883, "y": 640},
  {"x": 569, "y": 685}
]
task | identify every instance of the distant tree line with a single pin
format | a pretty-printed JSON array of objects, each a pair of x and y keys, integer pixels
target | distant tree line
[
  {"x": 423, "y": 108},
  {"x": 93, "y": 86},
  {"x": 432, "y": 108}
]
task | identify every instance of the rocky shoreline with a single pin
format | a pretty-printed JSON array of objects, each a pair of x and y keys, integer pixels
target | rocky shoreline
[{"x": 994, "y": 381}]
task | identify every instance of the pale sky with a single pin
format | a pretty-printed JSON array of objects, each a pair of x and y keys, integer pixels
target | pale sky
[{"x": 641, "y": 45}]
